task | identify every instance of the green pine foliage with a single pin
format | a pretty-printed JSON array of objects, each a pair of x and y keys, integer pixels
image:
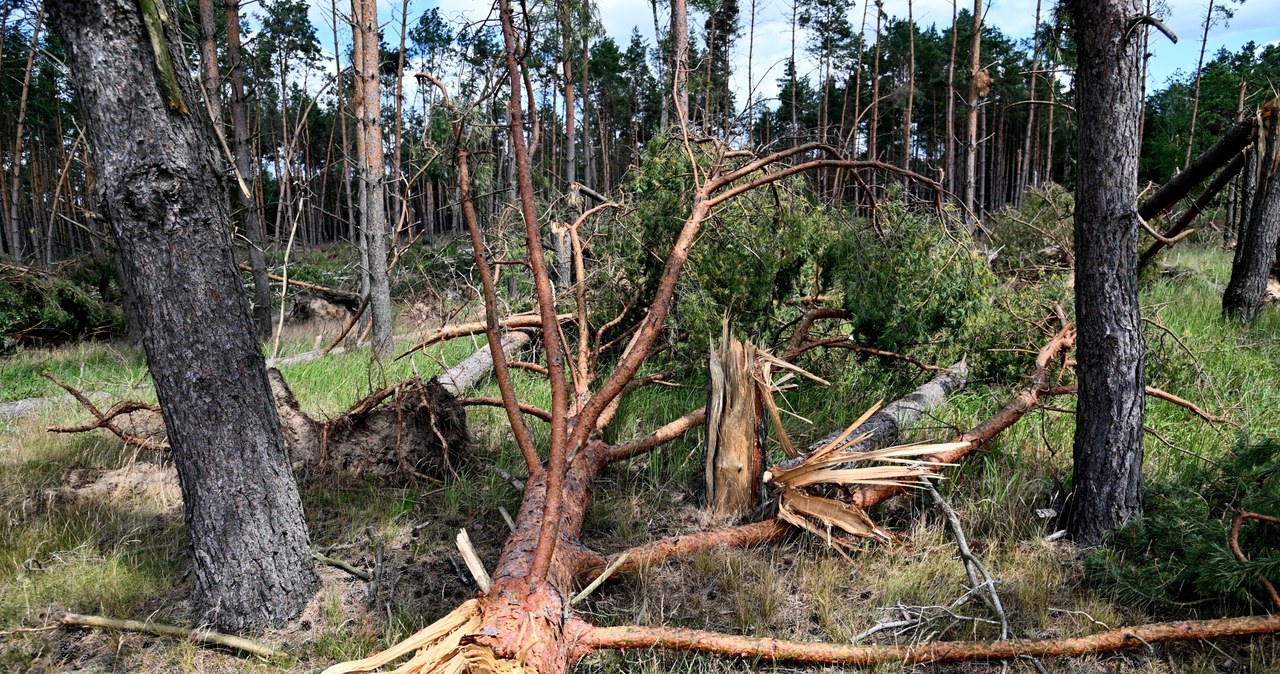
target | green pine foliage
[
  {"x": 1176, "y": 556},
  {"x": 40, "y": 308},
  {"x": 913, "y": 281}
]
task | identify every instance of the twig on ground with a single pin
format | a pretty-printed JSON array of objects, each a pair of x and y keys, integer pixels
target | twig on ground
[{"x": 339, "y": 564}]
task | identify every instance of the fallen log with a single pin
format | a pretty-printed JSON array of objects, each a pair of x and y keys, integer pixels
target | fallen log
[
  {"x": 477, "y": 366},
  {"x": 887, "y": 425},
  {"x": 776, "y": 650},
  {"x": 756, "y": 533},
  {"x": 349, "y": 300}
]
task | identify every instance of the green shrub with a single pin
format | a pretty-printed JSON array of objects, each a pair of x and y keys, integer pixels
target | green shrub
[
  {"x": 913, "y": 283},
  {"x": 753, "y": 253},
  {"x": 1176, "y": 554},
  {"x": 40, "y": 308},
  {"x": 1034, "y": 240}
]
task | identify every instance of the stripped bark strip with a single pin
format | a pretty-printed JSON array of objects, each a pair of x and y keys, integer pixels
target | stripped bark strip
[{"x": 776, "y": 650}]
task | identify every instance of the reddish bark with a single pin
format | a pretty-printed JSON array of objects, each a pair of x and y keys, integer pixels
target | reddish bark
[{"x": 776, "y": 650}]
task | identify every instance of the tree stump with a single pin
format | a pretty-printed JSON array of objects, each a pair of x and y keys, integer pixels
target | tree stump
[{"x": 735, "y": 430}]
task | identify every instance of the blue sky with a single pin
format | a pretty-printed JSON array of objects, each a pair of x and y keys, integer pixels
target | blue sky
[{"x": 1256, "y": 20}]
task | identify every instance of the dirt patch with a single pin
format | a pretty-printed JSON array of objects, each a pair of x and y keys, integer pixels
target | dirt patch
[{"x": 139, "y": 483}]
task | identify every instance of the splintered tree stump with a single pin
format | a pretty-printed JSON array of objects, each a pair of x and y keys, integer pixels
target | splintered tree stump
[
  {"x": 413, "y": 429},
  {"x": 735, "y": 430}
]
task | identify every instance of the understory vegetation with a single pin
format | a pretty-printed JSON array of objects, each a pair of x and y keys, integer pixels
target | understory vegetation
[{"x": 69, "y": 542}]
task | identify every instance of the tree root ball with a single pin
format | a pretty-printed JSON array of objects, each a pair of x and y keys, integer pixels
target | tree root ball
[{"x": 416, "y": 430}]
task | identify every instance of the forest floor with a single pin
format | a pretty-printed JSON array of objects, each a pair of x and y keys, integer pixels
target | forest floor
[{"x": 119, "y": 550}]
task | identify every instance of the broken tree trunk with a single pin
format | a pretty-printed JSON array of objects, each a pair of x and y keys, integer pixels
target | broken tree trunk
[
  {"x": 888, "y": 424},
  {"x": 1224, "y": 177},
  {"x": 734, "y": 459},
  {"x": 1235, "y": 140},
  {"x": 1256, "y": 250}
]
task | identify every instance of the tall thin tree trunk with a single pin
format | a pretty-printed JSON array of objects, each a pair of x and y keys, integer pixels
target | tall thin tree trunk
[
  {"x": 1107, "y": 477},
  {"x": 795, "y": 123},
  {"x": 680, "y": 60},
  {"x": 663, "y": 84},
  {"x": 911, "y": 88},
  {"x": 949, "y": 150},
  {"x": 372, "y": 167},
  {"x": 873, "y": 133},
  {"x": 1195, "y": 98},
  {"x": 14, "y": 230},
  {"x": 751, "y": 83},
  {"x": 248, "y": 215},
  {"x": 165, "y": 202},
  {"x": 971, "y": 137},
  {"x": 399, "y": 191},
  {"x": 1025, "y": 160},
  {"x": 588, "y": 153},
  {"x": 209, "y": 71}
]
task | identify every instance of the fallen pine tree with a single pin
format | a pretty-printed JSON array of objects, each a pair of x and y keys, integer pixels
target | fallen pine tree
[{"x": 522, "y": 620}]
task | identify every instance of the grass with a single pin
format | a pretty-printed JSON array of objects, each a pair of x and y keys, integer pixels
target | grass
[{"x": 126, "y": 556}]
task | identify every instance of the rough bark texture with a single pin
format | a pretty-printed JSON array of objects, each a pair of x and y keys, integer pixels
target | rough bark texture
[
  {"x": 1107, "y": 477},
  {"x": 164, "y": 200},
  {"x": 680, "y": 60},
  {"x": 1256, "y": 250}
]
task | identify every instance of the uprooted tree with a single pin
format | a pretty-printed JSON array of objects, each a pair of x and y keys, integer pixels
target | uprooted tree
[{"x": 522, "y": 619}]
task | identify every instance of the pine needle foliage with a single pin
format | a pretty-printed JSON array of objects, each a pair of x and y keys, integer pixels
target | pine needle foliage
[{"x": 1176, "y": 556}]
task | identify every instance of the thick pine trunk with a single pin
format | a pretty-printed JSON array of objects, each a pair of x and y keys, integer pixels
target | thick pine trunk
[
  {"x": 252, "y": 564},
  {"x": 1107, "y": 479}
]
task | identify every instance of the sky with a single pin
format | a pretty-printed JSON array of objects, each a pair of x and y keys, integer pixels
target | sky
[{"x": 1254, "y": 20}]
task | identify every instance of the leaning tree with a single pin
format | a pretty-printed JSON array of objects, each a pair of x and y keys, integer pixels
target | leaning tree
[
  {"x": 522, "y": 621},
  {"x": 164, "y": 195}
]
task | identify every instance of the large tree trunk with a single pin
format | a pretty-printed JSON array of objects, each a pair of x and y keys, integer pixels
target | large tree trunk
[
  {"x": 1256, "y": 250},
  {"x": 252, "y": 563},
  {"x": 1107, "y": 479}
]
